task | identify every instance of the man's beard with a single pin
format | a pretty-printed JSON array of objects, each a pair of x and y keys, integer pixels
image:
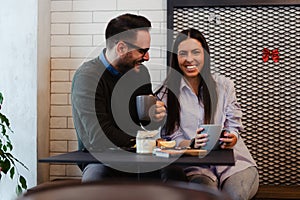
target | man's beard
[{"x": 125, "y": 64}]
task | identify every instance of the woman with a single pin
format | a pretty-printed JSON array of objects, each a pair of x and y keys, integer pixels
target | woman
[{"x": 194, "y": 96}]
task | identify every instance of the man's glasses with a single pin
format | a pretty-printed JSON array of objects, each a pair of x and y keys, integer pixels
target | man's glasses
[{"x": 139, "y": 49}]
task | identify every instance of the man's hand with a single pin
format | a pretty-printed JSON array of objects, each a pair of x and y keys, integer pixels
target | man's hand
[{"x": 160, "y": 111}]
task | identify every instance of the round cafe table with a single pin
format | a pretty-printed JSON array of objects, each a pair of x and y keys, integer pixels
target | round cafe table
[{"x": 125, "y": 191}]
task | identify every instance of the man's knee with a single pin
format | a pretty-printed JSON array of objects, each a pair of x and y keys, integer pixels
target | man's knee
[{"x": 94, "y": 172}]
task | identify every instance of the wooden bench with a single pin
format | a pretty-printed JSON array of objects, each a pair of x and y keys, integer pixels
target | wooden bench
[{"x": 277, "y": 192}]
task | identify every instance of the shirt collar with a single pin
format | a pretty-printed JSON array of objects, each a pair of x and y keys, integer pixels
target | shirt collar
[
  {"x": 108, "y": 66},
  {"x": 184, "y": 84}
]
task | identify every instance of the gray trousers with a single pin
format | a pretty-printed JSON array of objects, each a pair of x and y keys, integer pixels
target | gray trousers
[
  {"x": 240, "y": 186},
  {"x": 100, "y": 172}
]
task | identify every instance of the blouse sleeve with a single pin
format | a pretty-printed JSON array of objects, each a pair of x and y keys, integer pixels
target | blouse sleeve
[
  {"x": 178, "y": 137},
  {"x": 233, "y": 110}
]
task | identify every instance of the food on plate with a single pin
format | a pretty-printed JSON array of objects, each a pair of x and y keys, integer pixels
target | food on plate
[{"x": 166, "y": 144}]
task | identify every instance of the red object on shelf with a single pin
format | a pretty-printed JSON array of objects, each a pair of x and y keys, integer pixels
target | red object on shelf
[{"x": 273, "y": 53}]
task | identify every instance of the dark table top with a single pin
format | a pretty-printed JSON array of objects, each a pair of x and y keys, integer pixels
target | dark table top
[{"x": 120, "y": 157}]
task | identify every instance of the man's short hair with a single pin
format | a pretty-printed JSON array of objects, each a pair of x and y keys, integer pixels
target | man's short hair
[{"x": 124, "y": 27}]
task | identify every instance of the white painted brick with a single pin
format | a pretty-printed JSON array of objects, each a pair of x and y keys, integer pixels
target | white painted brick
[
  {"x": 155, "y": 75},
  {"x": 71, "y": 17},
  {"x": 158, "y": 39},
  {"x": 96, "y": 28},
  {"x": 60, "y": 75},
  {"x": 71, "y": 40},
  {"x": 156, "y": 85},
  {"x": 154, "y": 15},
  {"x": 66, "y": 63},
  {"x": 57, "y": 170},
  {"x": 56, "y": 153},
  {"x": 61, "y": 111},
  {"x": 59, "y": 28},
  {"x": 60, "y": 52},
  {"x": 164, "y": 29},
  {"x": 106, "y": 16},
  {"x": 70, "y": 122},
  {"x": 154, "y": 52},
  {"x": 58, "y": 146},
  {"x": 63, "y": 134},
  {"x": 99, "y": 40},
  {"x": 73, "y": 170},
  {"x": 61, "y": 5},
  {"x": 139, "y": 5},
  {"x": 163, "y": 74},
  {"x": 156, "y": 63},
  {"x": 163, "y": 52},
  {"x": 57, "y": 99},
  {"x": 61, "y": 87},
  {"x": 72, "y": 146},
  {"x": 159, "y": 51},
  {"x": 58, "y": 122},
  {"x": 93, "y": 5},
  {"x": 155, "y": 28},
  {"x": 164, "y": 6},
  {"x": 71, "y": 74},
  {"x": 85, "y": 52},
  {"x": 70, "y": 99}
]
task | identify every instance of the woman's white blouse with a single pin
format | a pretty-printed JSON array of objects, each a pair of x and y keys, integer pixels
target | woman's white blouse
[{"x": 228, "y": 113}]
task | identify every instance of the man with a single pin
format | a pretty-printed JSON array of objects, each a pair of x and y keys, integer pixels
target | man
[{"x": 104, "y": 91}]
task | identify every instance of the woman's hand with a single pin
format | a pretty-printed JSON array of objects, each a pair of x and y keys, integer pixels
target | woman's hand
[
  {"x": 228, "y": 140},
  {"x": 200, "y": 139}
]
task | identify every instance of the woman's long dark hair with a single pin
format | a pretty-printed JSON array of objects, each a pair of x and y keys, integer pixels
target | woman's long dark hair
[{"x": 209, "y": 94}]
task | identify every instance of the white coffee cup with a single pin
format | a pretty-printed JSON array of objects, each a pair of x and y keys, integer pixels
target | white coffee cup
[{"x": 146, "y": 141}]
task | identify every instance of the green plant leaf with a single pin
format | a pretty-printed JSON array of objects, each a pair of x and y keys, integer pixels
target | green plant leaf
[
  {"x": 9, "y": 145},
  {"x": 13, "y": 158},
  {"x": 23, "y": 182},
  {"x": 12, "y": 172},
  {"x": 19, "y": 190},
  {"x": 3, "y": 129},
  {"x": 4, "y": 119},
  {"x": 7, "y": 160},
  {"x": 5, "y": 165},
  {"x": 1, "y": 98},
  {"x": 4, "y": 148}
]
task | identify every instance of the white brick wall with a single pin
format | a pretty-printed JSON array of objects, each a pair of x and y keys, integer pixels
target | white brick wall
[{"x": 77, "y": 34}]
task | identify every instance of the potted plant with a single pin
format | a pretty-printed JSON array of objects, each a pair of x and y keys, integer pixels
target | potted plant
[{"x": 8, "y": 162}]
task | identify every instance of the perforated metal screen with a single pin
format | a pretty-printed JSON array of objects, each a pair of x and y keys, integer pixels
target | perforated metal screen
[{"x": 268, "y": 91}]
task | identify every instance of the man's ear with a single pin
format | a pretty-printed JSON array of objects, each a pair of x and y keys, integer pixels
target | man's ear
[{"x": 121, "y": 48}]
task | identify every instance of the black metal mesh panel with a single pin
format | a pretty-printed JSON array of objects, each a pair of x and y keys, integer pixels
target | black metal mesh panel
[{"x": 268, "y": 91}]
